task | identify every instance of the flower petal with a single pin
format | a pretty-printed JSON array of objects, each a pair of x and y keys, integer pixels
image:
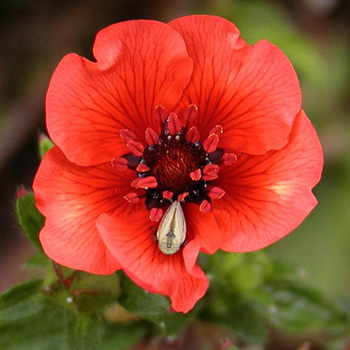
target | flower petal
[
  {"x": 269, "y": 196},
  {"x": 131, "y": 241},
  {"x": 202, "y": 227},
  {"x": 71, "y": 198},
  {"x": 252, "y": 92},
  {"x": 140, "y": 64}
]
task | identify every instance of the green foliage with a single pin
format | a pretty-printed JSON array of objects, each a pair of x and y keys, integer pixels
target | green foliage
[
  {"x": 153, "y": 307},
  {"x": 256, "y": 292},
  {"x": 32, "y": 320},
  {"x": 249, "y": 293},
  {"x": 29, "y": 217}
]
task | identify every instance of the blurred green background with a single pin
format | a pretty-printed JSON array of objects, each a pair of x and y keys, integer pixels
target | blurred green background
[{"x": 314, "y": 34}]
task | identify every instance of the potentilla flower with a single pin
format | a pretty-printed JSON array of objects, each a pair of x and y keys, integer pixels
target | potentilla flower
[{"x": 180, "y": 139}]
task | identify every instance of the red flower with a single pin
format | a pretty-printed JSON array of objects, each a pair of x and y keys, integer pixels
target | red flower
[{"x": 184, "y": 113}]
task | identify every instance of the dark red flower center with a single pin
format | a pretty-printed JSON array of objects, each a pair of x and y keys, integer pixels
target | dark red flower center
[
  {"x": 172, "y": 160},
  {"x": 175, "y": 165}
]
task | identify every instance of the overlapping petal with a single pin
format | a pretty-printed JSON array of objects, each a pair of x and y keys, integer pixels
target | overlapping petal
[
  {"x": 131, "y": 241},
  {"x": 202, "y": 227},
  {"x": 268, "y": 196},
  {"x": 72, "y": 197},
  {"x": 140, "y": 64},
  {"x": 252, "y": 92}
]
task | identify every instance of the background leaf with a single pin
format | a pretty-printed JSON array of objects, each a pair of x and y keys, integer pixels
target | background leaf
[{"x": 29, "y": 217}]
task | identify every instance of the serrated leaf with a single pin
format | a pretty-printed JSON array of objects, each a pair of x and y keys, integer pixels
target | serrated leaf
[
  {"x": 29, "y": 217},
  {"x": 84, "y": 333},
  {"x": 152, "y": 307},
  {"x": 44, "y": 145}
]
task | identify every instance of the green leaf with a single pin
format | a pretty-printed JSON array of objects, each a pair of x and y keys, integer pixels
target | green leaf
[
  {"x": 20, "y": 301},
  {"x": 44, "y": 145},
  {"x": 122, "y": 337},
  {"x": 288, "y": 302},
  {"x": 84, "y": 333},
  {"x": 29, "y": 217},
  {"x": 41, "y": 331},
  {"x": 152, "y": 307}
]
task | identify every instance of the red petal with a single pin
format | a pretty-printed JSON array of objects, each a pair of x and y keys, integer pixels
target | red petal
[
  {"x": 140, "y": 64},
  {"x": 252, "y": 92},
  {"x": 176, "y": 276},
  {"x": 71, "y": 198},
  {"x": 269, "y": 196},
  {"x": 202, "y": 227}
]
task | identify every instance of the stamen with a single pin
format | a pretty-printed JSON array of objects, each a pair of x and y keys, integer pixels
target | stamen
[
  {"x": 229, "y": 158},
  {"x": 119, "y": 163},
  {"x": 127, "y": 135},
  {"x": 132, "y": 197},
  {"x": 145, "y": 182},
  {"x": 190, "y": 113},
  {"x": 211, "y": 143},
  {"x": 142, "y": 168},
  {"x": 193, "y": 135},
  {"x": 160, "y": 114},
  {"x": 205, "y": 206},
  {"x": 155, "y": 214},
  {"x": 216, "y": 193},
  {"x": 174, "y": 124},
  {"x": 196, "y": 175},
  {"x": 167, "y": 195},
  {"x": 182, "y": 197},
  {"x": 151, "y": 136},
  {"x": 135, "y": 148},
  {"x": 210, "y": 172},
  {"x": 218, "y": 130}
]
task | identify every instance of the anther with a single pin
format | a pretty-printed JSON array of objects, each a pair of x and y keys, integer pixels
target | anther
[
  {"x": 205, "y": 206},
  {"x": 167, "y": 195},
  {"x": 142, "y": 168},
  {"x": 229, "y": 158},
  {"x": 155, "y": 214},
  {"x": 151, "y": 137},
  {"x": 132, "y": 197},
  {"x": 210, "y": 172},
  {"x": 182, "y": 197},
  {"x": 127, "y": 135},
  {"x": 211, "y": 143},
  {"x": 160, "y": 114},
  {"x": 193, "y": 135},
  {"x": 216, "y": 193},
  {"x": 174, "y": 124},
  {"x": 119, "y": 163},
  {"x": 135, "y": 148},
  {"x": 145, "y": 182},
  {"x": 190, "y": 113},
  {"x": 196, "y": 175},
  {"x": 217, "y": 129}
]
